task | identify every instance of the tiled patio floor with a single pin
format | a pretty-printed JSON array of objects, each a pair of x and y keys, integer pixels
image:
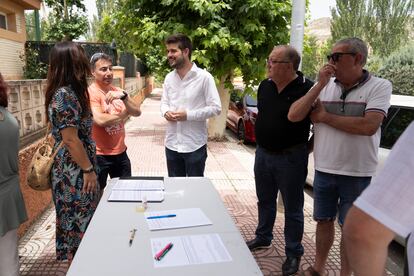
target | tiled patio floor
[{"x": 229, "y": 166}]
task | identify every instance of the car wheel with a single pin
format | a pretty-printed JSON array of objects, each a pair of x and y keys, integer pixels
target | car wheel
[{"x": 241, "y": 132}]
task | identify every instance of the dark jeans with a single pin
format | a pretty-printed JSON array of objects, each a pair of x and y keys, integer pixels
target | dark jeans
[
  {"x": 186, "y": 164},
  {"x": 114, "y": 165},
  {"x": 284, "y": 172}
]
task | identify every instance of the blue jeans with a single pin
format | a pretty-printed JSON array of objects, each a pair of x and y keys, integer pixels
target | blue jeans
[
  {"x": 186, "y": 163},
  {"x": 115, "y": 165},
  {"x": 334, "y": 193},
  {"x": 285, "y": 173}
]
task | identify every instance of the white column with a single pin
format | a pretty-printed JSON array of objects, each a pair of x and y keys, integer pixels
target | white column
[{"x": 297, "y": 25}]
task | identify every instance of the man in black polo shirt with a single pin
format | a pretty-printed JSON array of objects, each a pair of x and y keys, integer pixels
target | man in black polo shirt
[{"x": 281, "y": 156}]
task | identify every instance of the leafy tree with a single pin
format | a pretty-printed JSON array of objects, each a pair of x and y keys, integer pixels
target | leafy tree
[
  {"x": 30, "y": 25},
  {"x": 96, "y": 30},
  {"x": 384, "y": 24},
  {"x": 225, "y": 34},
  {"x": 94, "y": 25},
  {"x": 104, "y": 7},
  {"x": 399, "y": 68},
  {"x": 33, "y": 68},
  {"x": 314, "y": 55},
  {"x": 67, "y": 21}
]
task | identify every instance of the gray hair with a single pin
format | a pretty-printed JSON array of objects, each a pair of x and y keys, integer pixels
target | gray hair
[
  {"x": 98, "y": 56},
  {"x": 356, "y": 45}
]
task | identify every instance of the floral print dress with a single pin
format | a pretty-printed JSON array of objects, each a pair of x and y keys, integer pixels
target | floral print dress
[{"x": 74, "y": 209}]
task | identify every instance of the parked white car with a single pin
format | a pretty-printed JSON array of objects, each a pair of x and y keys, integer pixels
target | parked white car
[{"x": 400, "y": 115}]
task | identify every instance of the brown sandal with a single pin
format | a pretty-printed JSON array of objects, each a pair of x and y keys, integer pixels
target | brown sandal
[{"x": 310, "y": 271}]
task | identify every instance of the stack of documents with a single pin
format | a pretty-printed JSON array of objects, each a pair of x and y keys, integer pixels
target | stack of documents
[{"x": 138, "y": 188}]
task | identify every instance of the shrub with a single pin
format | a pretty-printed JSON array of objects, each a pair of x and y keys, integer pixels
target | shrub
[
  {"x": 398, "y": 68},
  {"x": 33, "y": 67}
]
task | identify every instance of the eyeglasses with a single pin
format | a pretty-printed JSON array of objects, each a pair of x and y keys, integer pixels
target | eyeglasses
[
  {"x": 273, "y": 62},
  {"x": 335, "y": 56}
]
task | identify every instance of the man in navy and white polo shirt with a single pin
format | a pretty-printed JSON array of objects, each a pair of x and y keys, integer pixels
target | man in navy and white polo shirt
[{"x": 347, "y": 107}]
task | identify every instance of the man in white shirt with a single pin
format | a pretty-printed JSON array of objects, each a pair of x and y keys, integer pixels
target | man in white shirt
[
  {"x": 190, "y": 97},
  {"x": 384, "y": 209}
]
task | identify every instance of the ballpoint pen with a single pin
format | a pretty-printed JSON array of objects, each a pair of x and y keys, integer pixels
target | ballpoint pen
[
  {"x": 162, "y": 216},
  {"x": 131, "y": 238},
  {"x": 163, "y": 252}
]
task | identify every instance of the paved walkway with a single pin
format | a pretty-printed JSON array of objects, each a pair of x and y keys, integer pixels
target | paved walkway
[{"x": 230, "y": 168}]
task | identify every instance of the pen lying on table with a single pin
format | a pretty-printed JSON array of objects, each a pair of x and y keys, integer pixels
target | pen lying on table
[
  {"x": 162, "y": 216},
  {"x": 131, "y": 238},
  {"x": 163, "y": 252}
]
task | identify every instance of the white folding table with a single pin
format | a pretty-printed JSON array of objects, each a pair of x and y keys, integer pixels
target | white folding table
[{"x": 105, "y": 248}]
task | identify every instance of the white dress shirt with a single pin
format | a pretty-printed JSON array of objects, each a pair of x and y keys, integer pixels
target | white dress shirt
[
  {"x": 197, "y": 94},
  {"x": 389, "y": 197}
]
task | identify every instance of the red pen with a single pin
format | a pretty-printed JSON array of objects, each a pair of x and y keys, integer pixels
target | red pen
[{"x": 163, "y": 252}]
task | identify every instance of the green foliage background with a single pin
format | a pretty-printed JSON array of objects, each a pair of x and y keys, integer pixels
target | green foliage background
[
  {"x": 226, "y": 34},
  {"x": 399, "y": 69},
  {"x": 383, "y": 24},
  {"x": 65, "y": 22}
]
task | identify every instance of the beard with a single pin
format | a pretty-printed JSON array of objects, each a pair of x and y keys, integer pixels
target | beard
[{"x": 177, "y": 63}]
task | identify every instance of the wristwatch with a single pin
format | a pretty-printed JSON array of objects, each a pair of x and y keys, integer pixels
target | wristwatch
[
  {"x": 124, "y": 96},
  {"x": 88, "y": 170}
]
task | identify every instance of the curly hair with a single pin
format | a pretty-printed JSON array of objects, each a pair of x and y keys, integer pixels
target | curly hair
[{"x": 3, "y": 92}]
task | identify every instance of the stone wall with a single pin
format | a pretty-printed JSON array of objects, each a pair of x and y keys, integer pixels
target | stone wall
[{"x": 26, "y": 103}]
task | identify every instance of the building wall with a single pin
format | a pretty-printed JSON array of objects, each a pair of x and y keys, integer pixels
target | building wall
[
  {"x": 11, "y": 66},
  {"x": 12, "y": 40}
]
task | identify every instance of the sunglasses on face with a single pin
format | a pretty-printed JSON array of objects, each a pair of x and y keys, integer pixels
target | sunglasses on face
[{"x": 336, "y": 56}]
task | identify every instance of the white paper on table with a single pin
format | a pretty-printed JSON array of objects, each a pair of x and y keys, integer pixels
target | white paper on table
[
  {"x": 128, "y": 195},
  {"x": 139, "y": 184},
  {"x": 191, "y": 250},
  {"x": 189, "y": 217}
]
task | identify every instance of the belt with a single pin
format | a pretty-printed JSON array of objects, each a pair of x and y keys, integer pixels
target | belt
[{"x": 285, "y": 151}]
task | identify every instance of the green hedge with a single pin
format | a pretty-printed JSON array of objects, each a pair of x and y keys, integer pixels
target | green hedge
[{"x": 398, "y": 68}]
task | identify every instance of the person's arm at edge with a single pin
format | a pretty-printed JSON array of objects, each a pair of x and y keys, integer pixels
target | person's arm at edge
[
  {"x": 78, "y": 153},
  {"x": 366, "y": 243}
]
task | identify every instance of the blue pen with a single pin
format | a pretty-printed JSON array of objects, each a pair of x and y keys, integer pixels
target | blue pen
[{"x": 163, "y": 216}]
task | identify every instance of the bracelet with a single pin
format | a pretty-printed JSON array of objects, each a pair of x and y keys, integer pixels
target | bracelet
[
  {"x": 124, "y": 96},
  {"x": 88, "y": 170}
]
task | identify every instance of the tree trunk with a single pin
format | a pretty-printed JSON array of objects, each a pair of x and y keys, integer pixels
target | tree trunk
[{"x": 217, "y": 125}]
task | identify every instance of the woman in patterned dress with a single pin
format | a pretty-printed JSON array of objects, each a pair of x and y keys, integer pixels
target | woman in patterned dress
[{"x": 74, "y": 182}]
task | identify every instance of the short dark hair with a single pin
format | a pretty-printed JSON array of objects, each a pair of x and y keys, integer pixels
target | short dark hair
[
  {"x": 3, "y": 92},
  {"x": 183, "y": 42},
  {"x": 98, "y": 56}
]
